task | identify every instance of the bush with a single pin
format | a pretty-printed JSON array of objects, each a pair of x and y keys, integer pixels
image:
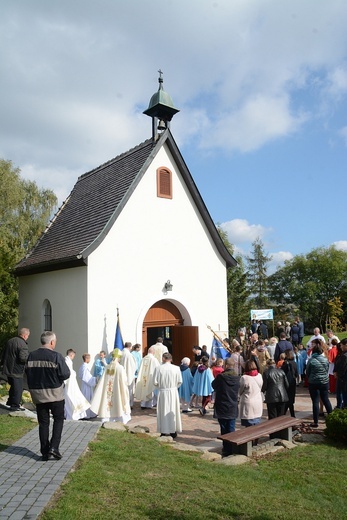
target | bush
[{"x": 336, "y": 423}]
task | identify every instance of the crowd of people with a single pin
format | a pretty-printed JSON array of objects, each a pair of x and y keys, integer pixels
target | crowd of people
[{"x": 234, "y": 380}]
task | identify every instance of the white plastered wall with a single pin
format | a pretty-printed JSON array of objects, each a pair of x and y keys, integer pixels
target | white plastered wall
[
  {"x": 152, "y": 241},
  {"x": 66, "y": 290}
]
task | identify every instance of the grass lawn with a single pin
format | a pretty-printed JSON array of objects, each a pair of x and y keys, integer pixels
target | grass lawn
[
  {"x": 134, "y": 477},
  {"x": 340, "y": 335},
  {"x": 13, "y": 428}
]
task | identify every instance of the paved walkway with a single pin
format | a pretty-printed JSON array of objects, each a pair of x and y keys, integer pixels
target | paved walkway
[{"x": 27, "y": 484}]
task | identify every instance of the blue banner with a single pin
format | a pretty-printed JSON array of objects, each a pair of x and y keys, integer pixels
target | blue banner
[{"x": 118, "y": 340}]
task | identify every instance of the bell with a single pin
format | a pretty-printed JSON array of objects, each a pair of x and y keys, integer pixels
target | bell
[{"x": 162, "y": 125}]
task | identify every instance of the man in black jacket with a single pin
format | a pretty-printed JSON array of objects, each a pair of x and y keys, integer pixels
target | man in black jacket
[
  {"x": 14, "y": 358},
  {"x": 226, "y": 387},
  {"x": 46, "y": 371},
  {"x": 282, "y": 346}
]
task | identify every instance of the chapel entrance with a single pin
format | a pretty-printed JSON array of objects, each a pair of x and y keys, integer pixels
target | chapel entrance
[{"x": 164, "y": 320}]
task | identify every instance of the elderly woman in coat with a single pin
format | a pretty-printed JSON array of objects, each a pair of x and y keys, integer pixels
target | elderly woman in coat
[{"x": 251, "y": 397}]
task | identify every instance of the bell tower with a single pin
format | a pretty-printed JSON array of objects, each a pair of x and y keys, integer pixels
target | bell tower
[{"x": 161, "y": 109}]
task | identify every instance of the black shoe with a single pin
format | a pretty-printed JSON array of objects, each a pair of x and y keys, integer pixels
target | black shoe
[
  {"x": 55, "y": 453},
  {"x": 17, "y": 409},
  {"x": 173, "y": 435},
  {"x": 45, "y": 457}
]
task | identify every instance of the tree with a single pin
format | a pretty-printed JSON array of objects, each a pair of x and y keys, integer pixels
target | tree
[
  {"x": 24, "y": 213},
  {"x": 316, "y": 284},
  {"x": 257, "y": 264},
  {"x": 238, "y": 293},
  {"x": 238, "y": 297}
]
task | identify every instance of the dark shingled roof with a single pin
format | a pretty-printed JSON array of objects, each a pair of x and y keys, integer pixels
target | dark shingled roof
[{"x": 94, "y": 204}]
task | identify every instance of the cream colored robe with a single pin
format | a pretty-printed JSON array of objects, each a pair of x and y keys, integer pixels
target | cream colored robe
[
  {"x": 144, "y": 384},
  {"x": 111, "y": 396},
  {"x": 167, "y": 378},
  {"x": 159, "y": 350}
]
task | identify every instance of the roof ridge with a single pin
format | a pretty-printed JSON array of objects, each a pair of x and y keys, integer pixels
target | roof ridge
[{"x": 117, "y": 158}]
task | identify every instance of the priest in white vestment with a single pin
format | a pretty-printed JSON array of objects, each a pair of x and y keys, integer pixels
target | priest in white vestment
[
  {"x": 128, "y": 362},
  {"x": 76, "y": 405},
  {"x": 111, "y": 397},
  {"x": 159, "y": 350},
  {"x": 168, "y": 378},
  {"x": 144, "y": 390},
  {"x": 88, "y": 382}
]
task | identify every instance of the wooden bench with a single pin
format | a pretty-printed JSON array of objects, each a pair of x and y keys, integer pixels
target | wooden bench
[{"x": 241, "y": 440}]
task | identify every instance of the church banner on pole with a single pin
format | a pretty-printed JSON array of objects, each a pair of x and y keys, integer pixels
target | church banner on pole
[
  {"x": 118, "y": 340},
  {"x": 262, "y": 314}
]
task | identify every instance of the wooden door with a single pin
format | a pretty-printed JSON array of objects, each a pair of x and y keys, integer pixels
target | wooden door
[
  {"x": 184, "y": 338},
  {"x": 162, "y": 314}
]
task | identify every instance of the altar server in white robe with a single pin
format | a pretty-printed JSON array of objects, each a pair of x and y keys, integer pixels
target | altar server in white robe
[
  {"x": 76, "y": 405},
  {"x": 111, "y": 397},
  {"x": 168, "y": 378},
  {"x": 88, "y": 382},
  {"x": 129, "y": 363},
  {"x": 145, "y": 390}
]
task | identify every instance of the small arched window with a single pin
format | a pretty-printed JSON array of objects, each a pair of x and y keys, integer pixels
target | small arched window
[
  {"x": 164, "y": 183},
  {"x": 47, "y": 315}
]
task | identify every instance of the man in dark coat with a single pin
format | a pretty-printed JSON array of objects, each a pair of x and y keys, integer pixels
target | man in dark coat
[
  {"x": 226, "y": 387},
  {"x": 14, "y": 358},
  {"x": 263, "y": 330},
  {"x": 301, "y": 329},
  {"x": 295, "y": 334},
  {"x": 282, "y": 346}
]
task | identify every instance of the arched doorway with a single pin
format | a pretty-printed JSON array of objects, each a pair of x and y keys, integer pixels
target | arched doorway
[{"x": 165, "y": 319}]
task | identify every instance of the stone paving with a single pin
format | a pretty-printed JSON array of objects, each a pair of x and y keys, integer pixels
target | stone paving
[{"x": 27, "y": 484}]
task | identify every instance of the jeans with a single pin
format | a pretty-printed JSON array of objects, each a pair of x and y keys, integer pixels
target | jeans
[
  {"x": 227, "y": 426},
  {"x": 250, "y": 422},
  {"x": 319, "y": 391},
  {"x": 15, "y": 392},
  {"x": 57, "y": 409}
]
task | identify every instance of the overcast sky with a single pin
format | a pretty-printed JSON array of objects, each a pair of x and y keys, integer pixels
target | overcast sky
[{"x": 261, "y": 86}]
